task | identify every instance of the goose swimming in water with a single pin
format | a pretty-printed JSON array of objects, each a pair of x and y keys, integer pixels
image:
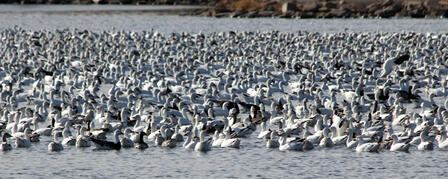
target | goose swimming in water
[
  {"x": 326, "y": 140},
  {"x": 425, "y": 144},
  {"x": 350, "y": 143},
  {"x": 68, "y": 139},
  {"x": 230, "y": 142},
  {"x": 202, "y": 145},
  {"x": 190, "y": 143},
  {"x": 291, "y": 145},
  {"x": 55, "y": 146},
  {"x": 107, "y": 145},
  {"x": 218, "y": 138},
  {"x": 141, "y": 144},
  {"x": 125, "y": 141},
  {"x": 272, "y": 142},
  {"x": 81, "y": 139},
  {"x": 25, "y": 141},
  {"x": 396, "y": 146},
  {"x": 367, "y": 147},
  {"x": 5, "y": 146}
]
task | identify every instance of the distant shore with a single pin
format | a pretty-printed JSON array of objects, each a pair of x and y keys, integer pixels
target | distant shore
[{"x": 267, "y": 8}]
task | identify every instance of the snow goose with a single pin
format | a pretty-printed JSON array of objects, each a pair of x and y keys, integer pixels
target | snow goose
[
  {"x": 336, "y": 139},
  {"x": 125, "y": 141},
  {"x": 177, "y": 136},
  {"x": 425, "y": 143},
  {"x": 68, "y": 139},
  {"x": 291, "y": 145},
  {"x": 396, "y": 146},
  {"x": 441, "y": 140},
  {"x": 190, "y": 143},
  {"x": 81, "y": 139},
  {"x": 55, "y": 146},
  {"x": 264, "y": 134},
  {"x": 218, "y": 138},
  {"x": 25, "y": 141},
  {"x": 202, "y": 145},
  {"x": 229, "y": 141},
  {"x": 42, "y": 131},
  {"x": 272, "y": 142},
  {"x": 350, "y": 143},
  {"x": 390, "y": 64},
  {"x": 326, "y": 140},
  {"x": 367, "y": 147}
]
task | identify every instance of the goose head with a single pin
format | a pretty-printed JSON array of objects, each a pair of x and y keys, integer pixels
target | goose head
[{"x": 116, "y": 135}]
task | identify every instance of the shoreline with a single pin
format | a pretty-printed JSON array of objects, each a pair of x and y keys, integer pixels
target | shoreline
[{"x": 253, "y": 8}]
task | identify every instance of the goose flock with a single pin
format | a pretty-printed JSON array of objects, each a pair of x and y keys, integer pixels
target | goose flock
[{"x": 366, "y": 92}]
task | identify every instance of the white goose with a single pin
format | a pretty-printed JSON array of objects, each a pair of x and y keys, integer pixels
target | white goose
[
  {"x": 272, "y": 142},
  {"x": 125, "y": 141},
  {"x": 264, "y": 134},
  {"x": 218, "y": 138},
  {"x": 367, "y": 147},
  {"x": 336, "y": 138},
  {"x": 442, "y": 140},
  {"x": 25, "y": 141},
  {"x": 425, "y": 144},
  {"x": 292, "y": 145},
  {"x": 397, "y": 146},
  {"x": 326, "y": 140},
  {"x": 350, "y": 143},
  {"x": 190, "y": 143},
  {"x": 202, "y": 145},
  {"x": 81, "y": 140},
  {"x": 55, "y": 146},
  {"x": 230, "y": 142},
  {"x": 68, "y": 139}
]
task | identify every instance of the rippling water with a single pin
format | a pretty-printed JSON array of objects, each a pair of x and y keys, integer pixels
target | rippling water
[
  {"x": 252, "y": 159},
  {"x": 44, "y": 17}
]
